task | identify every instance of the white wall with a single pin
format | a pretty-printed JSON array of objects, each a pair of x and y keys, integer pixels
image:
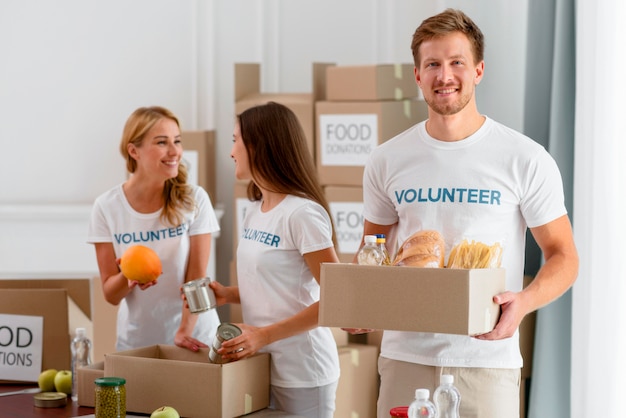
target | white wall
[{"x": 71, "y": 71}]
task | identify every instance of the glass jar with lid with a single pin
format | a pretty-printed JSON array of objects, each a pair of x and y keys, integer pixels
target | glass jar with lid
[{"x": 110, "y": 397}]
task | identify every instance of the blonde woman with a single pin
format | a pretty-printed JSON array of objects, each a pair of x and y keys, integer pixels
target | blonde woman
[{"x": 156, "y": 208}]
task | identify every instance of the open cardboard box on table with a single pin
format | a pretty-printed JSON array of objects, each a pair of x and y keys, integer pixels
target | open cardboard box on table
[
  {"x": 452, "y": 301},
  {"x": 169, "y": 375}
]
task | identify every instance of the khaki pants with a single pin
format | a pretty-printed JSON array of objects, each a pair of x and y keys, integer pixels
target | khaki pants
[{"x": 485, "y": 393}]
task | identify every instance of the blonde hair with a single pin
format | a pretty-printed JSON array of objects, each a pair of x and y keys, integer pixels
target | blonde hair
[
  {"x": 445, "y": 23},
  {"x": 177, "y": 195}
]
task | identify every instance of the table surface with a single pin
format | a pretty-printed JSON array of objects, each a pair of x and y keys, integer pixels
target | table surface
[{"x": 23, "y": 406}]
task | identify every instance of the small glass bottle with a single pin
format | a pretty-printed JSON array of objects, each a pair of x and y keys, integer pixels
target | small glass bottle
[
  {"x": 381, "y": 241},
  {"x": 370, "y": 254},
  {"x": 110, "y": 397},
  {"x": 422, "y": 407},
  {"x": 447, "y": 397},
  {"x": 81, "y": 356}
]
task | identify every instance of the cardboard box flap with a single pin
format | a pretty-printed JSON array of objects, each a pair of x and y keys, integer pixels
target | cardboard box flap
[
  {"x": 287, "y": 99},
  {"x": 77, "y": 289},
  {"x": 451, "y": 301},
  {"x": 319, "y": 80},
  {"x": 247, "y": 79}
]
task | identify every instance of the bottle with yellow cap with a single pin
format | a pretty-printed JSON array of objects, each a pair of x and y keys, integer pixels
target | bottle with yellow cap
[{"x": 381, "y": 241}]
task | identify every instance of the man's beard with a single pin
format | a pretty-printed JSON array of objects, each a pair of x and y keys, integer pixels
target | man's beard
[{"x": 449, "y": 108}]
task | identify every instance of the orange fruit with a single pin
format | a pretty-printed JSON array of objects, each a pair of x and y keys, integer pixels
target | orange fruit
[{"x": 141, "y": 264}]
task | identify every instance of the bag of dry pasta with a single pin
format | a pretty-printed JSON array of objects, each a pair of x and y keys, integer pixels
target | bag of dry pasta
[{"x": 471, "y": 254}]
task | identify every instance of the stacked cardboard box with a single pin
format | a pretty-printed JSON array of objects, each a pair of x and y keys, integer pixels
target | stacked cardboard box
[
  {"x": 248, "y": 94},
  {"x": 357, "y": 391},
  {"x": 364, "y": 107},
  {"x": 370, "y": 82}
]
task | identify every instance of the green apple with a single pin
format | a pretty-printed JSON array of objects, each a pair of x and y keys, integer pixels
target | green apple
[
  {"x": 165, "y": 412},
  {"x": 46, "y": 380},
  {"x": 63, "y": 382}
]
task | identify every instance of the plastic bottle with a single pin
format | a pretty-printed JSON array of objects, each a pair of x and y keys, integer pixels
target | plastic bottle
[
  {"x": 370, "y": 254},
  {"x": 422, "y": 407},
  {"x": 381, "y": 241},
  {"x": 447, "y": 397},
  {"x": 81, "y": 356}
]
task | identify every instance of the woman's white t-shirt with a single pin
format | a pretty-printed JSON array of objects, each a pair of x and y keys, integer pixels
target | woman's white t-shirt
[
  {"x": 275, "y": 283},
  {"x": 152, "y": 316}
]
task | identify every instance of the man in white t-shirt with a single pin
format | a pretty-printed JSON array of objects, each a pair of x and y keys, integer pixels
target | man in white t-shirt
[{"x": 468, "y": 177}]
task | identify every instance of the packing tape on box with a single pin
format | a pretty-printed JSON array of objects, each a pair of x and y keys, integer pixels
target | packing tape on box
[
  {"x": 398, "y": 93},
  {"x": 354, "y": 357},
  {"x": 248, "y": 403},
  {"x": 397, "y": 71},
  {"x": 407, "y": 108}
]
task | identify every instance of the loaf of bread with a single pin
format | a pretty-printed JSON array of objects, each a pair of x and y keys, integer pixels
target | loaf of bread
[{"x": 424, "y": 248}]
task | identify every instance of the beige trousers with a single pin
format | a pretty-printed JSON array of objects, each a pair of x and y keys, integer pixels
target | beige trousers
[{"x": 485, "y": 393}]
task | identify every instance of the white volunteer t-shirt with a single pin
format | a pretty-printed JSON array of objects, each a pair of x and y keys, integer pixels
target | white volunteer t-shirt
[
  {"x": 276, "y": 283},
  {"x": 488, "y": 187},
  {"x": 152, "y": 316}
]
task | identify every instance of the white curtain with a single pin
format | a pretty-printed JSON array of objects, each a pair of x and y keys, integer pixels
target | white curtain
[{"x": 599, "y": 296}]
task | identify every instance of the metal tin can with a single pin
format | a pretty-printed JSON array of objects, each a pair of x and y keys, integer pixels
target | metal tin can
[
  {"x": 199, "y": 295},
  {"x": 225, "y": 331},
  {"x": 50, "y": 399},
  {"x": 110, "y": 397}
]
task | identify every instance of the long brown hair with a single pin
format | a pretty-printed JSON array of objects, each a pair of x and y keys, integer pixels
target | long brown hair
[
  {"x": 279, "y": 157},
  {"x": 445, "y": 23},
  {"x": 177, "y": 195}
]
